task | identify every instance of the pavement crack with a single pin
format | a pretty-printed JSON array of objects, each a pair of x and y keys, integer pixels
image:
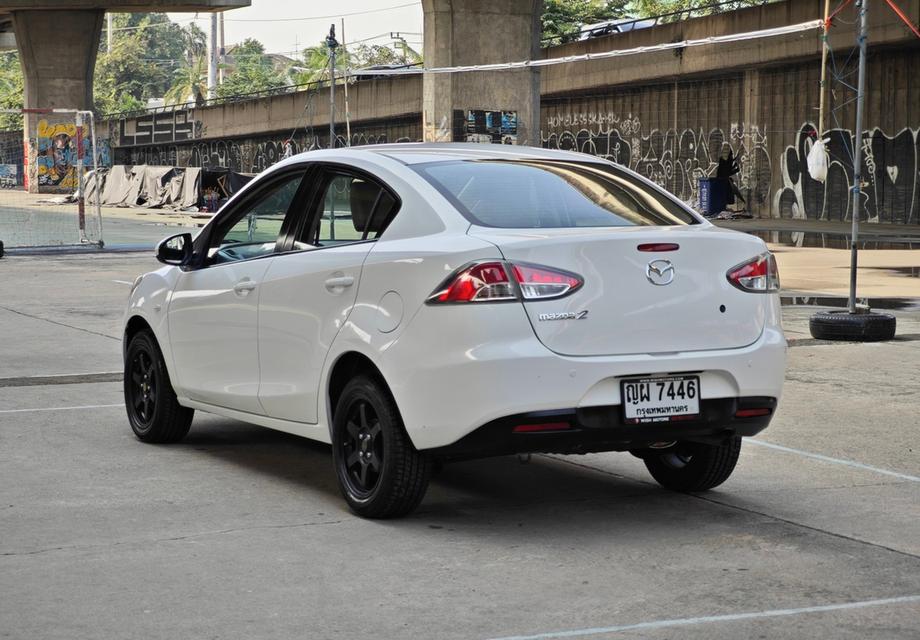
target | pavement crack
[
  {"x": 60, "y": 324},
  {"x": 189, "y": 536}
]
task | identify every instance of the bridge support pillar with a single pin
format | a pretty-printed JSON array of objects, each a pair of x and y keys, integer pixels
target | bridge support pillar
[
  {"x": 497, "y": 106},
  {"x": 57, "y": 49}
]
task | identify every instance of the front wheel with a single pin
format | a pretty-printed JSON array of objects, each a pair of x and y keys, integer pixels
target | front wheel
[
  {"x": 691, "y": 467},
  {"x": 153, "y": 410},
  {"x": 380, "y": 472}
]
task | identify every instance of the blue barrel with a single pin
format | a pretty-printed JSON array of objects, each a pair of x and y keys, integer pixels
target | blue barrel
[{"x": 713, "y": 195}]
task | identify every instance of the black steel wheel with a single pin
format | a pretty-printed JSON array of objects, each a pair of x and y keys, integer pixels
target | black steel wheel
[
  {"x": 380, "y": 472},
  {"x": 855, "y": 327},
  {"x": 692, "y": 467},
  {"x": 153, "y": 410}
]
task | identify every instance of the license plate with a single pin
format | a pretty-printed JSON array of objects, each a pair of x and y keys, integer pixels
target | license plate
[{"x": 662, "y": 399}]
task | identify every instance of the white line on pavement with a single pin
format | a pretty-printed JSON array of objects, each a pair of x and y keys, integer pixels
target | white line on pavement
[
  {"x": 122, "y": 282},
  {"x": 683, "y": 622},
  {"x": 848, "y": 463},
  {"x": 87, "y": 406}
]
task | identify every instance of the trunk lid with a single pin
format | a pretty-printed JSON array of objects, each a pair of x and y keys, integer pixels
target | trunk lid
[{"x": 626, "y": 312}]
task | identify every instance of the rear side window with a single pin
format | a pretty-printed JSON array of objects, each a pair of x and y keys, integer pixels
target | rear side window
[{"x": 551, "y": 194}]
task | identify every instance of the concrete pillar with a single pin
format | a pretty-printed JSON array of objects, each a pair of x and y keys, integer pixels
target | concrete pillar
[
  {"x": 465, "y": 32},
  {"x": 57, "y": 50}
]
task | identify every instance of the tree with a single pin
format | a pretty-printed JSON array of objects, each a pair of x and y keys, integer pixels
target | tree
[
  {"x": 644, "y": 8},
  {"x": 253, "y": 71},
  {"x": 562, "y": 19},
  {"x": 190, "y": 82},
  {"x": 11, "y": 88},
  {"x": 146, "y": 50},
  {"x": 315, "y": 65}
]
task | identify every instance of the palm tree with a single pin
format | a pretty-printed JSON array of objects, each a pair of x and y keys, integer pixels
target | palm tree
[
  {"x": 194, "y": 42},
  {"x": 190, "y": 82},
  {"x": 316, "y": 64}
]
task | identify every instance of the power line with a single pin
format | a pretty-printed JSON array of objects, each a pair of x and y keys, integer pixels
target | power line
[{"x": 337, "y": 15}]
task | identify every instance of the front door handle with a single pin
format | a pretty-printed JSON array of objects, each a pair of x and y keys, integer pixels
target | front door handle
[
  {"x": 339, "y": 282},
  {"x": 243, "y": 287}
]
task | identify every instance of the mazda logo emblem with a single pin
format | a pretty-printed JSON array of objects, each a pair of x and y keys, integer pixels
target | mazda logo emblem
[{"x": 660, "y": 272}]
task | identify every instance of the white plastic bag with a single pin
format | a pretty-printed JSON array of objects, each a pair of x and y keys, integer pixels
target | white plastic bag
[{"x": 817, "y": 161}]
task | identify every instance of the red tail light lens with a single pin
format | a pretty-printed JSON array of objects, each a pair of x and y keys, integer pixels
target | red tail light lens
[
  {"x": 758, "y": 275},
  {"x": 491, "y": 281},
  {"x": 481, "y": 282}
]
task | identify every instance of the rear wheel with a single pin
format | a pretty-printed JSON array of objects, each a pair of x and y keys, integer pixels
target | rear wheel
[
  {"x": 380, "y": 472},
  {"x": 692, "y": 467},
  {"x": 153, "y": 411}
]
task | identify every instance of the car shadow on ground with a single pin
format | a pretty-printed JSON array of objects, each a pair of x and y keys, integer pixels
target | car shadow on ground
[{"x": 499, "y": 493}]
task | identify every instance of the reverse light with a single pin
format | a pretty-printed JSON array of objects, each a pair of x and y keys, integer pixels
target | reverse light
[
  {"x": 499, "y": 281},
  {"x": 540, "y": 283},
  {"x": 758, "y": 275}
]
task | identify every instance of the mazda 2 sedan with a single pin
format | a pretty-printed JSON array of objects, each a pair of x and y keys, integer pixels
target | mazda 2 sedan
[{"x": 413, "y": 304}]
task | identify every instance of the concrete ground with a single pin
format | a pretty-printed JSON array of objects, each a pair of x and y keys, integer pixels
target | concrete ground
[{"x": 239, "y": 531}]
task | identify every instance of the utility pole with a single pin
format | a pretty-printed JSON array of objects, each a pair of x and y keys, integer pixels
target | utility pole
[
  {"x": 212, "y": 59},
  {"x": 345, "y": 87},
  {"x": 823, "y": 99},
  {"x": 108, "y": 32},
  {"x": 862, "y": 39},
  {"x": 223, "y": 51},
  {"x": 332, "y": 43},
  {"x": 400, "y": 42}
]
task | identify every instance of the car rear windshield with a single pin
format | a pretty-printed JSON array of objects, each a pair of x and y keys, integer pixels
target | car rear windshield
[{"x": 532, "y": 194}]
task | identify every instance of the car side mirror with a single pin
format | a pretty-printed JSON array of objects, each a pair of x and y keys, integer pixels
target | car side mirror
[{"x": 176, "y": 250}]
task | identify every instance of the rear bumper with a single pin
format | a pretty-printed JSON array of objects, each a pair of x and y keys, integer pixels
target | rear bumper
[
  {"x": 593, "y": 429},
  {"x": 455, "y": 370}
]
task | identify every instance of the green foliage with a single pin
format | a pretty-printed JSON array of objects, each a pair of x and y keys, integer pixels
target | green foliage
[
  {"x": 10, "y": 90},
  {"x": 562, "y": 19},
  {"x": 148, "y": 50},
  {"x": 253, "y": 71},
  {"x": 643, "y": 8},
  {"x": 190, "y": 82}
]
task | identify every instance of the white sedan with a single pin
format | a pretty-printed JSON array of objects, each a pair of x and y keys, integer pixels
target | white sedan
[{"x": 413, "y": 304}]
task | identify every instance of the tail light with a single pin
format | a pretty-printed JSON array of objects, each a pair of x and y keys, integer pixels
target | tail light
[
  {"x": 758, "y": 275},
  {"x": 500, "y": 281}
]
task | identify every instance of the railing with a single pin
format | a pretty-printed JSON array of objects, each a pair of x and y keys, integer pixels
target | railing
[
  {"x": 239, "y": 97},
  {"x": 664, "y": 18}
]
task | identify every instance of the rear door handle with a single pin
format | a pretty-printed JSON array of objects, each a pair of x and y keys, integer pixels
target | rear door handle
[
  {"x": 339, "y": 282},
  {"x": 243, "y": 287}
]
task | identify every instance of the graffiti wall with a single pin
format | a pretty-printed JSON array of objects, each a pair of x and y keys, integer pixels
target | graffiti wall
[
  {"x": 56, "y": 154},
  {"x": 254, "y": 154},
  {"x": 676, "y": 159},
  {"x": 890, "y": 170}
]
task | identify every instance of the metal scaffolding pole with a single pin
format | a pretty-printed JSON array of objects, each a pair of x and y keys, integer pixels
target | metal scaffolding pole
[{"x": 861, "y": 39}]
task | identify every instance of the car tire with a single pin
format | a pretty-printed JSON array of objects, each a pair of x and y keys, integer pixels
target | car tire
[
  {"x": 380, "y": 472},
  {"x": 856, "y": 327},
  {"x": 153, "y": 410},
  {"x": 692, "y": 467}
]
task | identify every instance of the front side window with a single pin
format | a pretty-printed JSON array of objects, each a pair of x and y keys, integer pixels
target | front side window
[
  {"x": 254, "y": 230},
  {"x": 351, "y": 209},
  {"x": 535, "y": 194}
]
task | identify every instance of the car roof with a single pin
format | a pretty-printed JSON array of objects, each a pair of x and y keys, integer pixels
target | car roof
[{"x": 421, "y": 152}]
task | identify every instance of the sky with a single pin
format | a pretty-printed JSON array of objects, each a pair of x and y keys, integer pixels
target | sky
[{"x": 288, "y": 26}]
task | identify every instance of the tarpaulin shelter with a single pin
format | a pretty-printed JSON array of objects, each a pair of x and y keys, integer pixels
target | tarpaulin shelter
[{"x": 162, "y": 187}]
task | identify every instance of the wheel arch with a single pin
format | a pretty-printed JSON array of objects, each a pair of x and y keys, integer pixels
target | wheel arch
[
  {"x": 348, "y": 365},
  {"x": 133, "y": 326}
]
